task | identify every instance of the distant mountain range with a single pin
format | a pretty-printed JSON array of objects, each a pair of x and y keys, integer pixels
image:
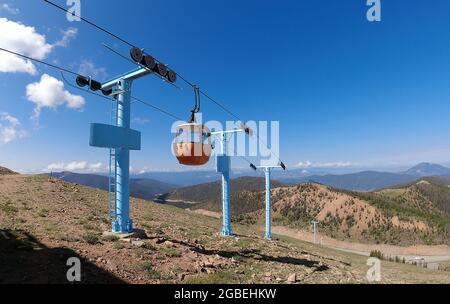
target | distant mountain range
[
  {"x": 182, "y": 178},
  {"x": 198, "y": 177},
  {"x": 427, "y": 169},
  {"x": 139, "y": 188},
  {"x": 362, "y": 181},
  {"x": 212, "y": 191},
  {"x": 414, "y": 213},
  {"x": 150, "y": 185},
  {"x": 373, "y": 180}
]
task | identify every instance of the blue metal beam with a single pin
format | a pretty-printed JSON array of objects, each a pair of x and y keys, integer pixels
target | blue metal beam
[{"x": 132, "y": 75}]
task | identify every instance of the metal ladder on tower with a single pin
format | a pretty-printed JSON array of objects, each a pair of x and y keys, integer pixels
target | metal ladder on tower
[
  {"x": 112, "y": 184},
  {"x": 112, "y": 172}
]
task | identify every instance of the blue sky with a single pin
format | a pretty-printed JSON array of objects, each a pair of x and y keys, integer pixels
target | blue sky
[{"x": 346, "y": 91}]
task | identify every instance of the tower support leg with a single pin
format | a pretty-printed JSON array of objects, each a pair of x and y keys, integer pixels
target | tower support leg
[
  {"x": 226, "y": 205},
  {"x": 314, "y": 233},
  {"x": 268, "y": 206},
  {"x": 123, "y": 222},
  {"x": 225, "y": 169}
]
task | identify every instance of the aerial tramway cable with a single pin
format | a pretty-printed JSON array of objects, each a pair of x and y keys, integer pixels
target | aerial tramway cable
[
  {"x": 160, "y": 68},
  {"x": 61, "y": 69}
]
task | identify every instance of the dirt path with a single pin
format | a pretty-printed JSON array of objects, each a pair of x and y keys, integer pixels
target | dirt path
[
  {"x": 430, "y": 253},
  {"x": 440, "y": 252},
  {"x": 217, "y": 215}
]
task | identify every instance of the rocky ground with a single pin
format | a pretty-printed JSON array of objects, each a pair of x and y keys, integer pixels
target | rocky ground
[{"x": 44, "y": 222}]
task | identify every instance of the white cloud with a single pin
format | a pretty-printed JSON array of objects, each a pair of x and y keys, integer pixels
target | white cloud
[
  {"x": 25, "y": 40},
  {"x": 56, "y": 167},
  {"x": 22, "y": 39},
  {"x": 13, "y": 64},
  {"x": 88, "y": 68},
  {"x": 10, "y": 128},
  {"x": 49, "y": 92},
  {"x": 308, "y": 164},
  {"x": 68, "y": 35},
  {"x": 97, "y": 166},
  {"x": 9, "y": 9},
  {"x": 77, "y": 166}
]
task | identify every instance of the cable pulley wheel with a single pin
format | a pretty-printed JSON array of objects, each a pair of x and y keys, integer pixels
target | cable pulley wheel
[
  {"x": 161, "y": 69},
  {"x": 95, "y": 85},
  {"x": 82, "y": 81},
  {"x": 136, "y": 54},
  {"x": 149, "y": 62},
  {"x": 172, "y": 76}
]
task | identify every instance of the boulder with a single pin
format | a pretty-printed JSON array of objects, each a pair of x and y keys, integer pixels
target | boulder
[{"x": 292, "y": 278}]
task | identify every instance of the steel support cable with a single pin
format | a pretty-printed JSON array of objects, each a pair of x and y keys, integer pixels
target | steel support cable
[
  {"x": 109, "y": 33},
  {"x": 39, "y": 61},
  {"x": 157, "y": 108},
  {"x": 132, "y": 97},
  {"x": 132, "y": 45},
  {"x": 86, "y": 91},
  {"x": 95, "y": 94}
]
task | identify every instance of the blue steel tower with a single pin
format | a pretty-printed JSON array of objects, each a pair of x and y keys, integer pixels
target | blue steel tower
[
  {"x": 224, "y": 167},
  {"x": 268, "y": 172},
  {"x": 120, "y": 138}
]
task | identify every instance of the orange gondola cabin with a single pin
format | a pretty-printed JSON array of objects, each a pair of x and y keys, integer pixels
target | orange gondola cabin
[{"x": 192, "y": 146}]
